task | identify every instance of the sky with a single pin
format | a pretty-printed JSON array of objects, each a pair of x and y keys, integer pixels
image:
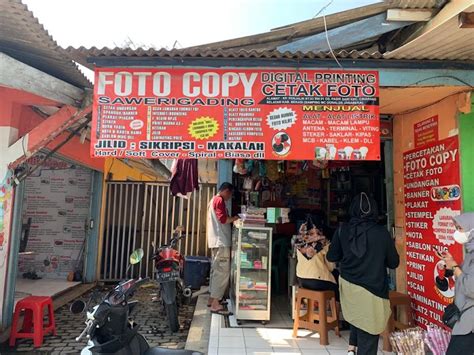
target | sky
[{"x": 171, "y": 23}]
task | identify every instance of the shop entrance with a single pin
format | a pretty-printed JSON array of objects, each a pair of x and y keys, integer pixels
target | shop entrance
[
  {"x": 137, "y": 214},
  {"x": 282, "y": 195}
]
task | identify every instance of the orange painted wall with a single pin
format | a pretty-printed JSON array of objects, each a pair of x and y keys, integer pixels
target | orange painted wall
[
  {"x": 403, "y": 127},
  {"x": 122, "y": 172}
]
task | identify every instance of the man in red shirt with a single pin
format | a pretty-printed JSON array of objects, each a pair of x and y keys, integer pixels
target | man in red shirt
[{"x": 219, "y": 239}]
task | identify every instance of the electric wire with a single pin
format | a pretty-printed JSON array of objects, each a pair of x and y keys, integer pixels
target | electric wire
[
  {"x": 329, "y": 43},
  {"x": 54, "y": 150}
]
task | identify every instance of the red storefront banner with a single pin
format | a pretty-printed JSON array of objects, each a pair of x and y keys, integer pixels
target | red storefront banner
[
  {"x": 236, "y": 113},
  {"x": 432, "y": 198}
]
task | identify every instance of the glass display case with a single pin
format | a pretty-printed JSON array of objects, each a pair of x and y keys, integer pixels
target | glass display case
[{"x": 251, "y": 272}]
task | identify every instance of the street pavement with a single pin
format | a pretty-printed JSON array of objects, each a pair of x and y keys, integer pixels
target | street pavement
[{"x": 149, "y": 315}]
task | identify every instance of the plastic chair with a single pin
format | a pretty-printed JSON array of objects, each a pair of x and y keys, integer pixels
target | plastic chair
[
  {"x": 320, "y": 321},
  {"x": 33, "y": 326}
]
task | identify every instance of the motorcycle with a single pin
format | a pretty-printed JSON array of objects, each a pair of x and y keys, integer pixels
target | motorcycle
[
  {"x": 169, "y": 265},
  {"x": 109, "y": 328}
]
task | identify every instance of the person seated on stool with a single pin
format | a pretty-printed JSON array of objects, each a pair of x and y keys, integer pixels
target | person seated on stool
[{"x": 313, "y": 271}]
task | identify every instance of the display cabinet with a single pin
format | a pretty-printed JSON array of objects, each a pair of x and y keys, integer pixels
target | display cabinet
[{"x": 251, "y": 273}]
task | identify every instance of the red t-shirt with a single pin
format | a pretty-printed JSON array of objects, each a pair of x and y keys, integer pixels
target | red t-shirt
[{"x": 218, "y": 204}]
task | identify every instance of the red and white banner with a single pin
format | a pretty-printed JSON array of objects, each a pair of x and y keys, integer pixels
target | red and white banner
[
  {"x": 236, "y": 113},
  {"x": 432, "y": 198}
]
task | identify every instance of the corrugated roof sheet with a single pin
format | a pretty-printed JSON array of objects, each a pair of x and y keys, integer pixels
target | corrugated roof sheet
[
  {"x": 81, "y": 54},
  {"x": 441, "y": 40},
  {"x": 263, "y": 46},
  {"x": 285, "y": 34},
  {"x": 25, "y": 39}
]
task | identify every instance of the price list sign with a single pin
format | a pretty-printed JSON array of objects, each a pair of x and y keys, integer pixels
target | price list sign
[{"x": 432, "y": 199}]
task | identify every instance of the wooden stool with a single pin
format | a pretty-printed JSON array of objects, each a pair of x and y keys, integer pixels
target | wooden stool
[
  {"x": 324, "y": 321},
  {"x": 33, "y": 326},
  {"x": 397, "y": 299}
]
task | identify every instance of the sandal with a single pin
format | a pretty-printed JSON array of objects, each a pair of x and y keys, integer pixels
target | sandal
[
  {"x": 222, "y": 303},
  {"x": 222, "y": 312}
]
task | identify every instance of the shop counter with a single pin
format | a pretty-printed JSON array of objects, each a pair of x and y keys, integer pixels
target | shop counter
[{"x": 250, "y": 289}]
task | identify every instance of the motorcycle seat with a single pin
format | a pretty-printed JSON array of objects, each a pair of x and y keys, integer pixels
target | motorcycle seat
[{"x": 163, "y": 351}]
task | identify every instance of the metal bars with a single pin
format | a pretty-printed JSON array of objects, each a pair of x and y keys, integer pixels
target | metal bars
[{"x": 139, "y": 214}]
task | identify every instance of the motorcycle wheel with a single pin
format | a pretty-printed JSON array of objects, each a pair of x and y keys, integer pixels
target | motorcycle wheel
[{"x": 172, "y": 315}]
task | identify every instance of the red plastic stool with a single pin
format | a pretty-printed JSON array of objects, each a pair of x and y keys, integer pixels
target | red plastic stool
[{"x": 33, "y": 326}]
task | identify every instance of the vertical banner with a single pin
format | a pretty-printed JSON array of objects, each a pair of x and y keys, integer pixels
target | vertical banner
[
  {"x": 6, "y": 206},
  {"x": 432, "y": 198}
]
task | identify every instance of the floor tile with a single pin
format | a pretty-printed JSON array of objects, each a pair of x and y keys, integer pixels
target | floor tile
[
  {"x": 231, "y": 351},
  {"x": 304, "y": 333},
  {"x": 213, "y": 342},
  {"x": 257, "y": 343},
  {"x": 284, "y": 344},
  {"x": 276, "y": 333},
  {"x": 251, "y": 332},
  {"x": 230, "y": 332},
  {"x": 231, "y": 342},
  {"x": 310, "y": 344},
  {"x": 314, "y": 352},
  {"x": 287, "y": 351},
  {"x": 259, "y": 351},
  {"x": 337, "y": 343},
  {"x": 337, "y": 352},
  {"x": 212, "y": 351},
  {"x": 214, "y": 332}
]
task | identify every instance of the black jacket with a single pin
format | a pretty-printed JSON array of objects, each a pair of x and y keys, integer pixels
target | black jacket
[{"x": 369, "y": 271}]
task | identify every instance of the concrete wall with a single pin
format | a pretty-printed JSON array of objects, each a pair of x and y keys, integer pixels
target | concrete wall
[{"x": 448, "y": 111}]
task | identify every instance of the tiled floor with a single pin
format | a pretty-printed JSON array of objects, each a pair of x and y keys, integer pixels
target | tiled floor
[
  {"x": 271, "y": 339},
  {"x": 280, "y": 316},
  {"x": 266, "y": 341}
]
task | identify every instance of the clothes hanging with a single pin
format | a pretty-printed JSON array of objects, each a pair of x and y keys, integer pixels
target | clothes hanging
[{"x": 185, "y": 177}]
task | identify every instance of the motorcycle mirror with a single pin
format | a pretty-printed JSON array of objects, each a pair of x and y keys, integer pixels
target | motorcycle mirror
[
  {"x": 136, "y": 256},
  {"x": 77, "y": 307}
]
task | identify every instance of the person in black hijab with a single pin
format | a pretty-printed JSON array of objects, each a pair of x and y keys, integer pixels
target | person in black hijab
[{"x": 364, "y": 251}]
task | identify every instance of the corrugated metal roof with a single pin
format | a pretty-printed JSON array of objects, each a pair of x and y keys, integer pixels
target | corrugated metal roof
[
  {"x": 81, "y": 54},
  {"x": 25, "y": 39},
  {"x": 285, "y": 34},
  {"x": 441, "y": 39}
]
